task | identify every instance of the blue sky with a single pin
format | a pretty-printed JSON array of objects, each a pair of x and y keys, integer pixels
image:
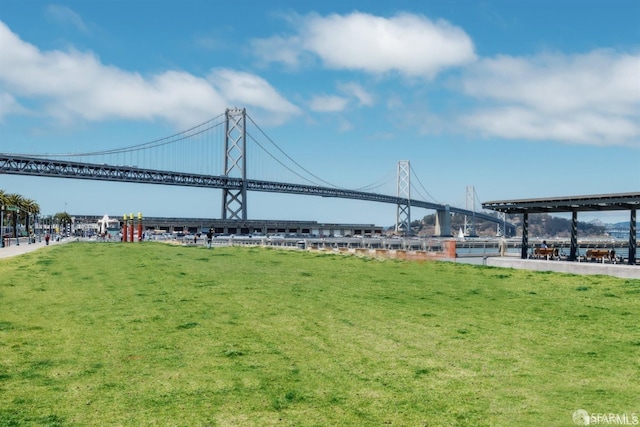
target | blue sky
[{"x": 519, "y": 99}]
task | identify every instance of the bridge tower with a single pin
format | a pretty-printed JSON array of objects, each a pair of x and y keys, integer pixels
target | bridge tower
[
  {"x": 234, "y": 204},
  {"x": 501, "y": 228},
  {"x": 403, "y": 213},
  {"x": 470, "y": 205}
]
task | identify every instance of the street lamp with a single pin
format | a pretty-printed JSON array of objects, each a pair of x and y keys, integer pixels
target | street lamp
[
  {"x": 16, "y": 225},
  {"x": 2, "y": 226}
]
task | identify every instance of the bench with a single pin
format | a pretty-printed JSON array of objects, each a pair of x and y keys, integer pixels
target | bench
[
  {"x": 600, "y": 254},
  {"x": 546, "y": 253}
]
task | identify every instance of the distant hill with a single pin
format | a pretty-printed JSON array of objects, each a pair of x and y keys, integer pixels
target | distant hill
[
  {"x": 620, "y": 229},
  {"x": 624, "y": 225},
  {"x": 541, "y": 225}
]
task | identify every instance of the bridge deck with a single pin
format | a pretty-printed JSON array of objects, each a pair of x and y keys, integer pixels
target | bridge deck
[{"x": 42, "y": 167}]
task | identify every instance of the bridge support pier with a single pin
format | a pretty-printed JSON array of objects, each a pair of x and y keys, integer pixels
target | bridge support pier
[{"x": 443, "y": 222}]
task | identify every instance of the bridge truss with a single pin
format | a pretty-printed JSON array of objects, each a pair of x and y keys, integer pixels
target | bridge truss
[{"x": 34, "y": 166}]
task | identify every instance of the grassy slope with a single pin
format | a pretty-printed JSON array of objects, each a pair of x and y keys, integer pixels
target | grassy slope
[{"x": 112, "y": 334}]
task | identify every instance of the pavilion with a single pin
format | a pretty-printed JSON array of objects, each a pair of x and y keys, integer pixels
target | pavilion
[{"x": 573, "y": 204}]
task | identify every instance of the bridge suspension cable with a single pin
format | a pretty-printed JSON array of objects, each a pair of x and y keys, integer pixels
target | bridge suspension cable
[
  {"x": 198, "y": 155},
  {"x": 277, "y": 160},
  {"x": 422, "y": 186},
  {"x": 384, "y": 180},
  {"x": 287, "y": 156},
  {"x": 476, "y": 196},
  {"x": 180, "y": 136},
  {"x": 318, "y": 180}
]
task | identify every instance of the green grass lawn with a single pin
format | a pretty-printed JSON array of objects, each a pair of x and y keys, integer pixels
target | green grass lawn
[{"x": 153, "y": 334}]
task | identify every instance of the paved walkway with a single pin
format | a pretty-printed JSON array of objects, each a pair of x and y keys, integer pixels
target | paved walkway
[
  {"x": 618, "y": 270},
  {"x": 25, "y": 247}
]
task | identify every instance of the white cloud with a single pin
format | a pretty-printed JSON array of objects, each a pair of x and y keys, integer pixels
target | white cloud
[
  {"x": 278, "y": 49},
  {"x": 591, "y": 98},
  {"x": 66, "y": 16},
  {"x": 579, "y": 128},
  {"x": 411, "y": 45},
  {"x": 250, "y": 90},
  {"x": 9, "y": 105},
  {"x": 355, "y": 90},
  {"x": 353, "y": 93},
  {"x": 72, "y": 85},
  {"x": 328, "y": 104}
]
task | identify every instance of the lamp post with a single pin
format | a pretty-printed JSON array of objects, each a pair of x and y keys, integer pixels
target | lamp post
[
  {"x": 2, "y": 226},
  {"x": 16, "y": 225},
  {"x": 26, "y": 225}
]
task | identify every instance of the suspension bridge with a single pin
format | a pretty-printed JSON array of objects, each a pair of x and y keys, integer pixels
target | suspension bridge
[{"x": 216, "y": 155}]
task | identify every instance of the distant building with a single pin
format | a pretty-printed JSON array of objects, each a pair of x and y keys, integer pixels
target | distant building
[{"x": 239, "y": 227}]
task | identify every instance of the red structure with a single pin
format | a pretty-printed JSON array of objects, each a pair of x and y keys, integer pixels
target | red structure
[
  {"x": 131, "y": 228},
  {"x": 139, "y": 227},
  {"x": 124, "y": 228}
]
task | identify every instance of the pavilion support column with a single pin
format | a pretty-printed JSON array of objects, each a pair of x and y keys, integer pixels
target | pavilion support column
[
  {"x": 525, "y": 236},
  {"x": 574, "y": 236},
  {"x": 632, "y": 238}
]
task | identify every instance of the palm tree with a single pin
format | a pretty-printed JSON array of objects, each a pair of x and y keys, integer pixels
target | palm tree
[
  {"x": 14, "y": 200},
  {"x": 63, "y": 218},
  {"x": 25, "y": 208},
  {"x": 29, "y": 207}
]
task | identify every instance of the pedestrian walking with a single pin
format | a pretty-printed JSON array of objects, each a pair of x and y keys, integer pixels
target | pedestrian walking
[{"x": 209, "y": 237}]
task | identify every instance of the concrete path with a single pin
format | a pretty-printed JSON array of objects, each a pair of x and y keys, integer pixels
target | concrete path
[
  {"x": 617, "y": 270},
  {"x": 25, "y": 247}
]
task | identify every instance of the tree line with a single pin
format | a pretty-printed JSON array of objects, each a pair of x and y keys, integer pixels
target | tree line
[{"x": 18, "y": 210}]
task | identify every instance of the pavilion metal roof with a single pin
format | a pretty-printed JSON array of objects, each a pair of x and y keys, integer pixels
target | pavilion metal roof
[{"x": 598, "y": 202}]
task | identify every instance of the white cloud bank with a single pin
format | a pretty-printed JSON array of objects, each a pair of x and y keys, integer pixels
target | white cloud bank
[
  {"x": 75, "y": 85},
  {"x": 591, "y": 98},
  {"x": 408, "y": 44}
]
